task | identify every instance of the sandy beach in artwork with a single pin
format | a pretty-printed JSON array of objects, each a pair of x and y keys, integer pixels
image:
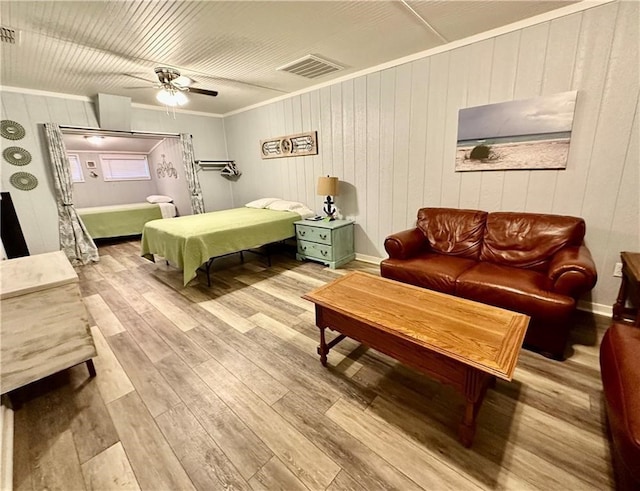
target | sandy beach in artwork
[{"x": 541, "y": 154}]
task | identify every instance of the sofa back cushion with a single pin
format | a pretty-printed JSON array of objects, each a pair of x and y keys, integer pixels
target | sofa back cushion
[
  {"x": 528, "y": 240},
  {"x": 452, "y": 231}
]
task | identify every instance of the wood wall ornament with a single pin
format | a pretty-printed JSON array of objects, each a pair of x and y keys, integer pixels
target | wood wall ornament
[
  {"x": 23, "y": 181},
  {"x": 296, "y": 145},
  {"x": 16, "y": 155},
  {"x": 11, "y": 130}
]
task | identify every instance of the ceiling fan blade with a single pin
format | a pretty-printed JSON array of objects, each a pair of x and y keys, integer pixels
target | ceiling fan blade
[
  {"x": 140, "y": 78},
  {"x": 184, "y": 81},
  {"x": 203, "y": 91}
]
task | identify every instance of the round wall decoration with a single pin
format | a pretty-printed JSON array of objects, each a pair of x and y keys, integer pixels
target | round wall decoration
[
  {"x": 23, "y": 181},
  {"x": 11, "y": 130},
  {"x": 16, "y": 155}
]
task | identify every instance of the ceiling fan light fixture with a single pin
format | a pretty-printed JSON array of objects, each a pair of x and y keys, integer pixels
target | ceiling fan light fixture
[
  {"x": 95, "y": 139},
  {"x": 172, "y": 98}
]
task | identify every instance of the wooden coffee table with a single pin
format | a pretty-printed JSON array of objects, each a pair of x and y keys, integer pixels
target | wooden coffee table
[{"x": 458, "y": 342}]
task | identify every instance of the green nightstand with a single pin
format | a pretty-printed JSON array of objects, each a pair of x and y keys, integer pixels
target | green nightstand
[{"x": 330, "y": 243}]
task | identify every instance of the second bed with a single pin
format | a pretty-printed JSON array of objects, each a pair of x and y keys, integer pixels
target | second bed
[{"x": 190, "y": 241}]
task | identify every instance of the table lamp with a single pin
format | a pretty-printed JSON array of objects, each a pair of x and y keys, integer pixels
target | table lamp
[{"x": 328, "y": 186}]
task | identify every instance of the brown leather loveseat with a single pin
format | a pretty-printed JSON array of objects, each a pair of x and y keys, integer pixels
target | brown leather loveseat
[{"x": 529, "y": 263}]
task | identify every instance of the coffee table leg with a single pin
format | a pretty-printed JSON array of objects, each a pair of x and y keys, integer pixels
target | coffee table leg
[
  {"x": 467, "y": 428},
  {"x": 475, "y": 387},
  {"x": 322, "y": 349}
]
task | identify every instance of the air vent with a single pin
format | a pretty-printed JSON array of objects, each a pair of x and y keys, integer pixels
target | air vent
[
  {"x": 310, "y": 67},
  {"x": 8, "y": 35}
]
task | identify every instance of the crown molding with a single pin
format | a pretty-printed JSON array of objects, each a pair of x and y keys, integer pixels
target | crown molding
[
  {"x": 177, "y": 110},
  {"x": 521, "y": 24},
  {"x": 44, "y": 93},
  {"x": 60, "y": 95}
]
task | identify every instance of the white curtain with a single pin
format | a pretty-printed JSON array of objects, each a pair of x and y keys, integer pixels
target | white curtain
[
  {"x": 75, "y": 241},
  {"x": 190, "y": 167}
]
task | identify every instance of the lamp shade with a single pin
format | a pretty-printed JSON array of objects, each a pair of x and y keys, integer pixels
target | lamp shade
[{"x": 327, "y": 186}]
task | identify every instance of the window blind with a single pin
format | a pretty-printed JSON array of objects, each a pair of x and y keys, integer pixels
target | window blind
[{"x": 123, "y": 167}]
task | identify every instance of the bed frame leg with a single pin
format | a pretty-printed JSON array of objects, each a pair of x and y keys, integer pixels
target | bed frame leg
[
  {"x": 241, "y": 257},
  {"x": 209, "y": 262}
]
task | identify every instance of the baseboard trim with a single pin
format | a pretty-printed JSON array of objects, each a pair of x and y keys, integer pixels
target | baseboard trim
[
  {"x": 594, "y": 308},
  {"x": 368, "y": 259}
]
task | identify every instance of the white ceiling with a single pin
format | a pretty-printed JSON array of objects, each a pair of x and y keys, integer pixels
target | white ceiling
[{"x": 234, "y": 47}]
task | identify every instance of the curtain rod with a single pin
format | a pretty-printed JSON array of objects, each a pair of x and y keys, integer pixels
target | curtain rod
[{"x": 99, "y": 132}]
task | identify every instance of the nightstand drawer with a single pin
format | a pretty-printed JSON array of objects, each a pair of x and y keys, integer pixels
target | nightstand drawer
[
  {"x": 313, "y": 249},
  {"x": 313, "y": 234}
]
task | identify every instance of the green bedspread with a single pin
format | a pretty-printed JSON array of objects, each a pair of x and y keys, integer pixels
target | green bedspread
[
  {"x": 118, "y": 220},
  {"x": 190, "y": 241}
]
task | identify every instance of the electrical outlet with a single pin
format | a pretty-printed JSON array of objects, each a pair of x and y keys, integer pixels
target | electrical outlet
[{"x": 617, "y": 271}]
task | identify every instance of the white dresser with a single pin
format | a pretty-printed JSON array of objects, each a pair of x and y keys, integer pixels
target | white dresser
[{"x": 44, "y": 324}]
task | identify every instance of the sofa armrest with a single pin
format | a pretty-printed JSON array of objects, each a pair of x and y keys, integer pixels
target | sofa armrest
[
  {"x": 405, "y": 244},
  {"x": 573, "y": 271}
]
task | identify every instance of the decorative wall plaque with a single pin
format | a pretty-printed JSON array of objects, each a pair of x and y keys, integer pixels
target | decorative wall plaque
[
  {"x": 16, "y": 155},
  {"x": 296, "y": 145},
  {"x": 23, "y": 181},
  {"x": 11, "y": 130}
]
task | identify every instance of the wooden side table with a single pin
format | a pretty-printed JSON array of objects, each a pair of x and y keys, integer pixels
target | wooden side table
[{"x": 629, "y": 289}]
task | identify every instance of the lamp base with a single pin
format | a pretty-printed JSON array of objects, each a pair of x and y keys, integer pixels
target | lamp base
[{"x": 328, "y": 209}]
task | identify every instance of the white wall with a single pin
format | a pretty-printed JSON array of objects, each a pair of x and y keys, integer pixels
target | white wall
[
  {"x": 170, "y": 186},
  {"x": 95, "y": 191},
  {"x": 208, "y": 144},
  {"x": 390, "y": 136},
  {"x": 36, "y": 209}
]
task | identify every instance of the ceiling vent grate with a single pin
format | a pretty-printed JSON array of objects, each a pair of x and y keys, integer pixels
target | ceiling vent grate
[
  {"x": 8, "y": 35},
  {"x": 310, "y": 67}
]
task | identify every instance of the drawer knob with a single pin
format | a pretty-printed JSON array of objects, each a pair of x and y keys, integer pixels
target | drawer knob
[
  {"x": 323, "y": 237},
  {"x": 324, "y": 253},
  {"x": 302, "y": 232},
  {"x": 304, "y": 248}
]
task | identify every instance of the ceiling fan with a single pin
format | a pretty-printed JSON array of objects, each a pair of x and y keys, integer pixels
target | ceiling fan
[{"x": 173, "y": 87}]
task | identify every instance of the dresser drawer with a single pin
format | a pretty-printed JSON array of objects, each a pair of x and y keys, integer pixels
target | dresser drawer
[
  {"x": 313, "y": 234},
  {"x": 313, "y": 249}
]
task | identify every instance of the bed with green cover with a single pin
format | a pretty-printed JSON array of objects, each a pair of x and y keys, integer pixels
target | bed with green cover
[
  {"x": 122, "y": 220},
  {"x": 190, "y": 241}
]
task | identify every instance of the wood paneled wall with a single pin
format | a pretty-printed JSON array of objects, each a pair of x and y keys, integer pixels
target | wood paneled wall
[
  {"x": 390, "y": 136},
  {"x": 95, "y": 191},
  {"x": 36, "y": 209}
]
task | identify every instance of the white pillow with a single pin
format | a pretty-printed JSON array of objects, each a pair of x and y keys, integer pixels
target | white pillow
[
  {"x": 304, "y": 212},
  {"x": 294, "y": 206},
  {"x": 284, "y": 205},
  {"x": 159, "y": 198},
  {"x": 261, "y": 203}
]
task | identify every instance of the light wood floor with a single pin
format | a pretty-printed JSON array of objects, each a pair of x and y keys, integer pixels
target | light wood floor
[{"x": 221, "y": 387}]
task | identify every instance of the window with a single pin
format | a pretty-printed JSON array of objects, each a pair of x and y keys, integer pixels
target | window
[
  {"x": 76, "y": 168},
  {"x": 123, "y": 167}
]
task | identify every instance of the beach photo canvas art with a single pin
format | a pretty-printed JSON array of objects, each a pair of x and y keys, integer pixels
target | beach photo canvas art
[{"x": 524, "y": 134}]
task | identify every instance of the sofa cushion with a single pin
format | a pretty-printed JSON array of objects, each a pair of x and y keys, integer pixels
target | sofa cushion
[
  {"x": 521, "y": 290},
  {"x": 453, "y": 232},
  {"x": 429, "y": 270},
  {"x": 620, "y": 370},
  {"x": 528, "y": 240}
]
